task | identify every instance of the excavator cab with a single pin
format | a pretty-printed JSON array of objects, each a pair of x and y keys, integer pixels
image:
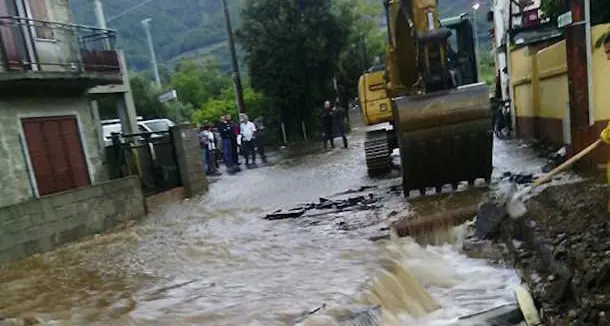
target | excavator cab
[{"x": 462, "y": 55}]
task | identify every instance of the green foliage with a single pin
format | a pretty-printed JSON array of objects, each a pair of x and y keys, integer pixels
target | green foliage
[
  {"x": 600, "y": 9},
  {"x": 145, "y": 97},
  {"x": 487, "y": 67},
  {"x": 212, "y": 109},
  {"x": 197, "y": 83},
  {"x": 366, "y": 41},
  {"x": 177, "y": 27},
  {"x": 291, "y": 50},
  {"x": 195, "y": 28}
]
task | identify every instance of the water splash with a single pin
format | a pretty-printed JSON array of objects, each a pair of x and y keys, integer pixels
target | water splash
[{"x": 427, "y": 284}]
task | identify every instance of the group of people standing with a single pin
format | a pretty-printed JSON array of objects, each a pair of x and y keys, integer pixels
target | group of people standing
[
  {"x": 246, "y": 136},
  {"x": 333, "y": 119}
]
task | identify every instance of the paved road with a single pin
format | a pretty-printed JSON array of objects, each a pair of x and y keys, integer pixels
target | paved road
[{"x": 213, "y": 261}]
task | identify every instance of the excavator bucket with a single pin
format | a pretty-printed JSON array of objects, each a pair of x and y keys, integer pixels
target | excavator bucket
[{"x": 444, "y": 137}]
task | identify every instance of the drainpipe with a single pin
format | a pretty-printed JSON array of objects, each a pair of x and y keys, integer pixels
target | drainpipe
[
  {"x": 27, "y": 166},
  {"x": 511, "y": 95},
  {"x": 589, "y": 44}
]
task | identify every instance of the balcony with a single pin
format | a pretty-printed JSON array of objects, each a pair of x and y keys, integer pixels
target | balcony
[{"x": 43, "y": 55}]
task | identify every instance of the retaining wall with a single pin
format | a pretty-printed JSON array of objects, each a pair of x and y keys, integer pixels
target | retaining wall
[{"x": 42, "y": 224}]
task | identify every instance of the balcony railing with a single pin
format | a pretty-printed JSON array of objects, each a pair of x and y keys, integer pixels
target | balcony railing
[{"x": 33, "y": 45}]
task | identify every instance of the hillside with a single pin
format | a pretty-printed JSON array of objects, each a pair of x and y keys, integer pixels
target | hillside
[
  {"x": 190, "y": 28},
  {"x": 177, "y": 27}
]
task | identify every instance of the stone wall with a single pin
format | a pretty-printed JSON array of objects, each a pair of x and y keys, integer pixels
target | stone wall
[
  {"x": 40, "y": 225},
  {"x": 14, "y": 180},
  {"x": 188, "y": 156}
]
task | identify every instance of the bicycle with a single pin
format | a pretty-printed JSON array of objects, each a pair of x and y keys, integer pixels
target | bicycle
[{"x": 502, "y": 119}]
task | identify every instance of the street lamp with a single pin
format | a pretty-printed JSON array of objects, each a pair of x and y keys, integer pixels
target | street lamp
[
  {"x": 475, "y": 9},
  {"x": 153, "y": 58}
]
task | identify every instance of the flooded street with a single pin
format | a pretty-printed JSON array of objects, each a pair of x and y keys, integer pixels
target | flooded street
[{"x": 215, "y": 261}]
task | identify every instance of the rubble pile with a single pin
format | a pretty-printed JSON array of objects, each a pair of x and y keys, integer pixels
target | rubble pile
[
  {"x": 563, "y": 250},
  {"x": 326, "y": 206}
]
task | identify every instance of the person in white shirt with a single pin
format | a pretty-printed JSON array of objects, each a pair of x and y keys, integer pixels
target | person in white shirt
[{"x": 247, "y": 130}]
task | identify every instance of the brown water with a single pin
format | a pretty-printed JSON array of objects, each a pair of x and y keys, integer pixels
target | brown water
[{"x": 213, "y": 261}]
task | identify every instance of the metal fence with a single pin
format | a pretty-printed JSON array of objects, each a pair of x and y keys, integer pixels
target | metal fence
[
  {"x": 34, "y": 45},
  {"x": 152, "y": 156}
]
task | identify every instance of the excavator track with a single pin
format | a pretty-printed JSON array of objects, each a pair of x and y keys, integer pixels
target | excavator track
[{"x": 377, "y": 152}]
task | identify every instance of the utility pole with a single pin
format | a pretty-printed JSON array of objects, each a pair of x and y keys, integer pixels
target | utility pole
[
  {"x": 101, "y": 21},
  {"x": 151, "y": 49},
  {"x": 126, "y": 109},
  {"x": 363, "y": 57},
  {"x": 99, "y": 14},
  {"x": 241, "y": 108}
]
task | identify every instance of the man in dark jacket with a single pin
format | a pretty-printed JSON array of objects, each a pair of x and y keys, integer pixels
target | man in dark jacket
[
  {"x": 226, "y": 134},
  {"x": 339, "y": 115},
  {"x": 259, "y": 138},
  {"x": 327, "y": 125},
  {"x": 235, "y": 152}
]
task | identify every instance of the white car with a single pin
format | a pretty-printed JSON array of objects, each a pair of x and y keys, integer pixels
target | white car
[{"x": 154, "y": 126}]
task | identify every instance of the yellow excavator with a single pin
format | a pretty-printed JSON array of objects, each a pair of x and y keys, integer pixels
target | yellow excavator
[{"x": 428, "y": 91}]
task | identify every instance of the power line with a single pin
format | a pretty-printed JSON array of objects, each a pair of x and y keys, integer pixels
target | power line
[{"x": 128, "y": 10}]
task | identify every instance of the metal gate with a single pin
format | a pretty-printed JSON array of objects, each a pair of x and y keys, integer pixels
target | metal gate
[{"x": 152, "y": 156}]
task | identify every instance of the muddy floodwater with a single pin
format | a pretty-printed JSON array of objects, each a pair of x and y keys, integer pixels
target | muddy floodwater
[{"x": 214, "y": 261}]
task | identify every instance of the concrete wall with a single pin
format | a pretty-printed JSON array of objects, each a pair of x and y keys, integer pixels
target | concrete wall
[
  {"x": 62, "y": 48},
  {"x": 14, "y": 166},
  {"x": 192, "y": 175},
  {"x": 42, "y": 224},
  {"x": 521, "y": 67}
]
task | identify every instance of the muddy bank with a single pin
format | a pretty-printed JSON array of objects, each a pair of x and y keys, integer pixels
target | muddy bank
[{"x": 562, "y": 250}]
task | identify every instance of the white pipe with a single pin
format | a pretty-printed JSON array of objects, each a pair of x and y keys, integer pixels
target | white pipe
[{"x": 589, "y": 44}]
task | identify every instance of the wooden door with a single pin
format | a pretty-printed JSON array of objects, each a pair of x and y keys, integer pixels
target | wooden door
[{"x": 56, "y": 152}]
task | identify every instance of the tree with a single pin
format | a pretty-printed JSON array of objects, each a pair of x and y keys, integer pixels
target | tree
[
  {"x": 196, "y": 83},
  {"x": 361, "y": 19},
  {"x": 225, "y": 104},
  {"x": 145, "y": 98},
  {"x": 600, "y": 9},
  {"x": 292, "y": 48}
]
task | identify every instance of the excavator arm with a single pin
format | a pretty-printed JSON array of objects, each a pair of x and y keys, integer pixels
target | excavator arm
[
  {"x": 417, "y": 48},
  {"x": 440, "y": 116}
]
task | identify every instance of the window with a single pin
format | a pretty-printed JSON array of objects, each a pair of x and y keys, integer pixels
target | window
[{"x": 39, "y": 12}]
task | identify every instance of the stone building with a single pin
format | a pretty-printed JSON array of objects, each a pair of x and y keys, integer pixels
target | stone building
[{"x": 49, "y": 133}]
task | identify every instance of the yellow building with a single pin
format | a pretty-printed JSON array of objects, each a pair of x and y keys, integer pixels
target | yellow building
[{"x": 539, "y": 82}]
